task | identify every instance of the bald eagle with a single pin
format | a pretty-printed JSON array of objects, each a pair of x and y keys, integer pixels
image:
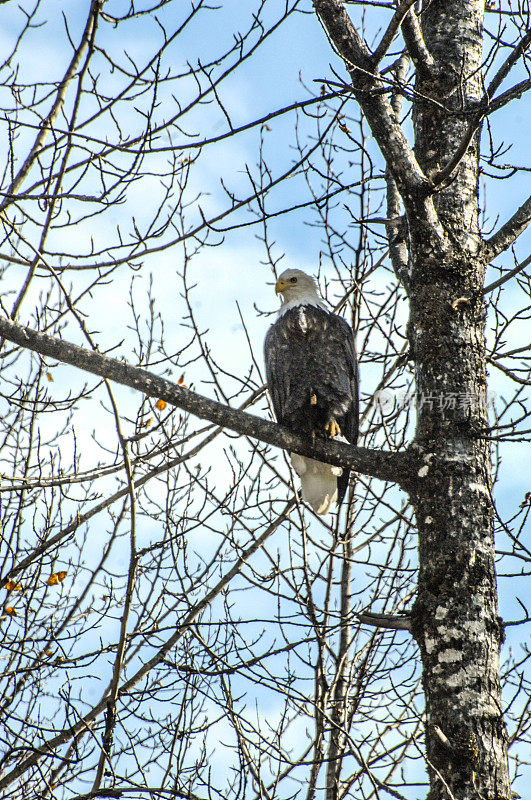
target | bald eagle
[{"x": 312, "y": 376}]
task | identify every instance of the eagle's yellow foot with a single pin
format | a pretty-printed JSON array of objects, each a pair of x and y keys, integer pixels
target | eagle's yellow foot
[
  {"x": 333, "y": 429},
  {"x": 313, "y": 400}
]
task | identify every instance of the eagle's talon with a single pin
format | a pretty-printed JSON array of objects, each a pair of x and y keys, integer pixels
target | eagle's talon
[{"x": 333, "y": 428}]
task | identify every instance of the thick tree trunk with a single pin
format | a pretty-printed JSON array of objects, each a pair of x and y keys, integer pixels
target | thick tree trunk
[{"x": 456, "y": 619}]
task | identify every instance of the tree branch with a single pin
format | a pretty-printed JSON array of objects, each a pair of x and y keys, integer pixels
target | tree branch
[
  {"x": 508, "y": 64},
  {"x": 508, "y": 275},
  {"x": 514, "y": 93},
  {"x": 508, "y": 232},
  {"x": 395, "y": 622},
  {"x": 485, "y": 109},
  {"x": 59, "y": 538},
  {"x": 366, "y": 79},
  {"x": 445, "y": 173},
  {"x": 86, "y": 722},
  {"x": 391, "y": 31},
  {"x": 382, "y": 464},
  {"x": 46, "y": 127},
  {"x": 367, "y": 84},
  {"x": 416, "y": 46},
  {"x": 396, "y": 224}
]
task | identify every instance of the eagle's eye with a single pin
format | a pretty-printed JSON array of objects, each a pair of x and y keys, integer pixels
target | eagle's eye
[{"x": 293, "y": 280}]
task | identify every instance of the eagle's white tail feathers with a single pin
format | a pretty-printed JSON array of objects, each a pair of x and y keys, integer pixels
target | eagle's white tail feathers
[{"x": 318, "y": 481}]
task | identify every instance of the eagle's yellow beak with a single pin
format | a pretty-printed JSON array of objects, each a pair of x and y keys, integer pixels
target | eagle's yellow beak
[{"x": 280, "y": 286}]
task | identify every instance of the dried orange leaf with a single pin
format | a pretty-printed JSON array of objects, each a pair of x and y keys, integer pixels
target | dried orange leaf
[
  {"x": 11, "y": 586},
  {"x": 148, "y": 423},
  {"x": 49, "y": 376},
  {"x": 12, "y": 612},
  {"x": 53, "y": 580},
  {"x": 62, "y": 575},
  {"x": 160, "y": 404}
]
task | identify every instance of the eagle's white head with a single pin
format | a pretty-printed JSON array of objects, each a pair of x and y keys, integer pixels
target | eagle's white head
[{"x": 296, "y": 288}]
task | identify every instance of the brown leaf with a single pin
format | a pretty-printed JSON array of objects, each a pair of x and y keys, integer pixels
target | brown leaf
[
  {"x": 11, "y": 586},
  {"x": 161, "y": 405}
]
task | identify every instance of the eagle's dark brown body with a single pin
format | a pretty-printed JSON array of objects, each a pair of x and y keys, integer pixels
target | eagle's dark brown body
[{"x": 312, "y": 374}]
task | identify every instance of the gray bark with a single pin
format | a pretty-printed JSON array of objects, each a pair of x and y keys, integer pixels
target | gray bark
[
  {"x": 455, "y": 618},
  {"x": 456, "y": 621}
]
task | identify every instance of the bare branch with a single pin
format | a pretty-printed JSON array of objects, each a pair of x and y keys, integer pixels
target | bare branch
[
  {"x": 508, "y": 233},
  {"x": 514, "y": 93},
  {"x": 395, "y": 622},
  {"x": 507, "y": 65},
  {"x": 378, "y": 463},
  {"x": 377, "y": 107},
  {"x": 86, "y": 722},
  {"x": 507, "y": 276},
  {"x": 46, "y": 127},
  {"x": 392, "y": 29},
  {"x": 416, "y": 46},
  {"x": 445, "y": 173}
]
